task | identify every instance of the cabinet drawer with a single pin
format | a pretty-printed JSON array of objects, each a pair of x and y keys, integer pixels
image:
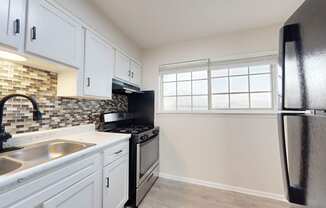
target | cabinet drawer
[{"x": 115, "y": 152}]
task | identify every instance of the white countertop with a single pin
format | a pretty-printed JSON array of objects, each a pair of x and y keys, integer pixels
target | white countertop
[{"x": 85, "y": 133}]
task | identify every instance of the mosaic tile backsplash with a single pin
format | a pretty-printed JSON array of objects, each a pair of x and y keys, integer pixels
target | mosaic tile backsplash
[{"x": 57, "y": 111}]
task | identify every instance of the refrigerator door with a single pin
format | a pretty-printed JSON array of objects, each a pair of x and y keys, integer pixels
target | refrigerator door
[
  {"x": 303, "y": 145},
  {"x": 303, "y": 57}
]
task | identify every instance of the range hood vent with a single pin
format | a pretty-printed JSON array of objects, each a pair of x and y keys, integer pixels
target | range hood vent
[{"x": 120, "y": 87}]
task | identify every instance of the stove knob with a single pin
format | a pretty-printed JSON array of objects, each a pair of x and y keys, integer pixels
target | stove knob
[
  {"x": 155, "y": 132},
  {"x": 143, "y": 138}
]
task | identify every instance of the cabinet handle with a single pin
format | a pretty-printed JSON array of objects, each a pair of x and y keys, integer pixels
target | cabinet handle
[
  {"x": 129, "y": 73},
  {"x": 108, "y": 182},
  {"x": 118, "y": 152},
  {"x": 132, "y": 74},
  {"x": 34, "y": 33},
  {"x": 17, "y": 26},
  {"x": 88, "y": 81}
]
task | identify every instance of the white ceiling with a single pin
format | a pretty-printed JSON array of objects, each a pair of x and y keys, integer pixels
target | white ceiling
[{"x": 151, "y": 23}]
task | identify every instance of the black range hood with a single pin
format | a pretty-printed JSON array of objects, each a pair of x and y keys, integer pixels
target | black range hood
[{"x": 120, "y": 87}]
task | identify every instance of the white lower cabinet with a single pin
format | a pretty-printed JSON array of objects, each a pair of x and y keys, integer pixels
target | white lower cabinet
[
  {"x": 115, "y": 183},
  {"x": 84, "y": 194},
  {"x": 80, "y": 184}
]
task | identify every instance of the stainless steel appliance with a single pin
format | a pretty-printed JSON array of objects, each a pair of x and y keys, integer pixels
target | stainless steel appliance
[
  {"x": 144, "y": 152},
  {"x": 302, "y": 117}
]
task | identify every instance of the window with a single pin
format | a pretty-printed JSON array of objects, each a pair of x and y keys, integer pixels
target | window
[
  {"x": 244, "y": 85},
  {"x": 185, "y": 91}
]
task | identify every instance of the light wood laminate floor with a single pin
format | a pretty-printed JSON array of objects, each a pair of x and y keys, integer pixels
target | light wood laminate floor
[{"x": 172, "y": 194}]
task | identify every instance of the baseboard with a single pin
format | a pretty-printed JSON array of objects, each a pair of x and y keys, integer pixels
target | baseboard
[{"x": 220, "y": 186}]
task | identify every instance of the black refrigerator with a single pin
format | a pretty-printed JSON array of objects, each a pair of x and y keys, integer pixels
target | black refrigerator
[{"x": 302, "y": 113}]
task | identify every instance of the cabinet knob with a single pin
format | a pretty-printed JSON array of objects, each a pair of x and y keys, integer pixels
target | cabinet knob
[
  {"x": 88, "y": 81},
  {"x": 33, "y": 33},
  {"x": 108, "y": 182},
  {"x": 17, "y": 26},
  {"x": 118, "y": 152}
]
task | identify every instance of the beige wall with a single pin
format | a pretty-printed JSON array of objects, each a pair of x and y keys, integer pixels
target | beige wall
[
  {"x": 234, "y": 150},
  {"x": 92, "y": 16}
]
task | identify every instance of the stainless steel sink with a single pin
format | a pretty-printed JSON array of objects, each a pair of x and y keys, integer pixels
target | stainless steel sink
[
  {"x": 7, "y": 165},
  {"x": 47, "y": 151},
  {"x": 40, "y": 153}
]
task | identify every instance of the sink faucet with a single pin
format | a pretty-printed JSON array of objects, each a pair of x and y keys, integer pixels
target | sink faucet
[{"x": 37, "y": 115}]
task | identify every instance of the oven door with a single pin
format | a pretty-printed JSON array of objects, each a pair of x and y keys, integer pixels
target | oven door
[{"x": 147, "y": 158}]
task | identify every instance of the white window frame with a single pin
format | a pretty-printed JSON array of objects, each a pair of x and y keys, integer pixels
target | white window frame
[{"x": 215, "y": 65}]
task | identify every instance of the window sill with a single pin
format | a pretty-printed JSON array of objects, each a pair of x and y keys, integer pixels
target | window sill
[{"x": 221, "y": 112}]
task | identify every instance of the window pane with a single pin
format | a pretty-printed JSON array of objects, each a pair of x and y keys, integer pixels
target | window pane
[
  {"x": 239, "y": 71},
  {"x": 184, "y": 88},
  {"x": 260, "y": 69},
  {"x": 200, "y": 102},
  {"x": 239, "y": 100},
  {"x": 199, "y": 75},
  {"x": 169, "y": 103},
  {"x": 261, "y": 100},
  {"x": 220, "y": 85},
  {"x": 200, "y": 87},
  {"x": 169, "y": 89},
  {"x": 239, "y": 84},
  {"x": 184, "y": 103},
  {"x": 220, "y": 73},
  {"x": 220, "y": 101},
  {"x": 184, "y": 76},
  {"x": 169, "y": 77},
  {"x": 260, "y": 83}
]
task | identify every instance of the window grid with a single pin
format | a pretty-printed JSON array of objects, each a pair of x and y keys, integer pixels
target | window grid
[
  {"x": 248, "y": 75},
  {"x": 210, "y": 93},
  {"x": 177, "y": 95}
]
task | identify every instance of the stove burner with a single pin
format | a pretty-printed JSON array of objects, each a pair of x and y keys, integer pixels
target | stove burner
[{"x": 132, "y": 130}]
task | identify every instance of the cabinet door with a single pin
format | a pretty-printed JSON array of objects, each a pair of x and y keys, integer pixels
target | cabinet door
[
  {"x": 99, "y": 66},
  {"x": 115, "y": 184},
  {"x": 122, "y": 67},
  {"x": 12, "y": 21},
  {"x": 135, "y": 73},
  {"x": 84, "y": 194},
  {"x": 52, "y": 34}
]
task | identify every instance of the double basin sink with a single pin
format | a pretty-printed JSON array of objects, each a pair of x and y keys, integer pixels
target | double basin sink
[{"x": 36, "y": 154}]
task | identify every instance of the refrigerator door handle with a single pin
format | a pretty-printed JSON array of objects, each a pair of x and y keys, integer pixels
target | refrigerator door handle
[
  {"x": 298, "y": 113},
  {"x": 289, "y": 33},
  {"x": 294, "y": 193}
]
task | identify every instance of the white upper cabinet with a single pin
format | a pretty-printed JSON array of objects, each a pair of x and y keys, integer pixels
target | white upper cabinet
[
  {"x": 135, "y": 77},
  {"x": 12, "y": 23},
  {"x": 127, "y": 69},
  {"x": 122, "y": 66},
  {"x": 53, "y": 34},
  {"x": 99, "y": 66}
]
